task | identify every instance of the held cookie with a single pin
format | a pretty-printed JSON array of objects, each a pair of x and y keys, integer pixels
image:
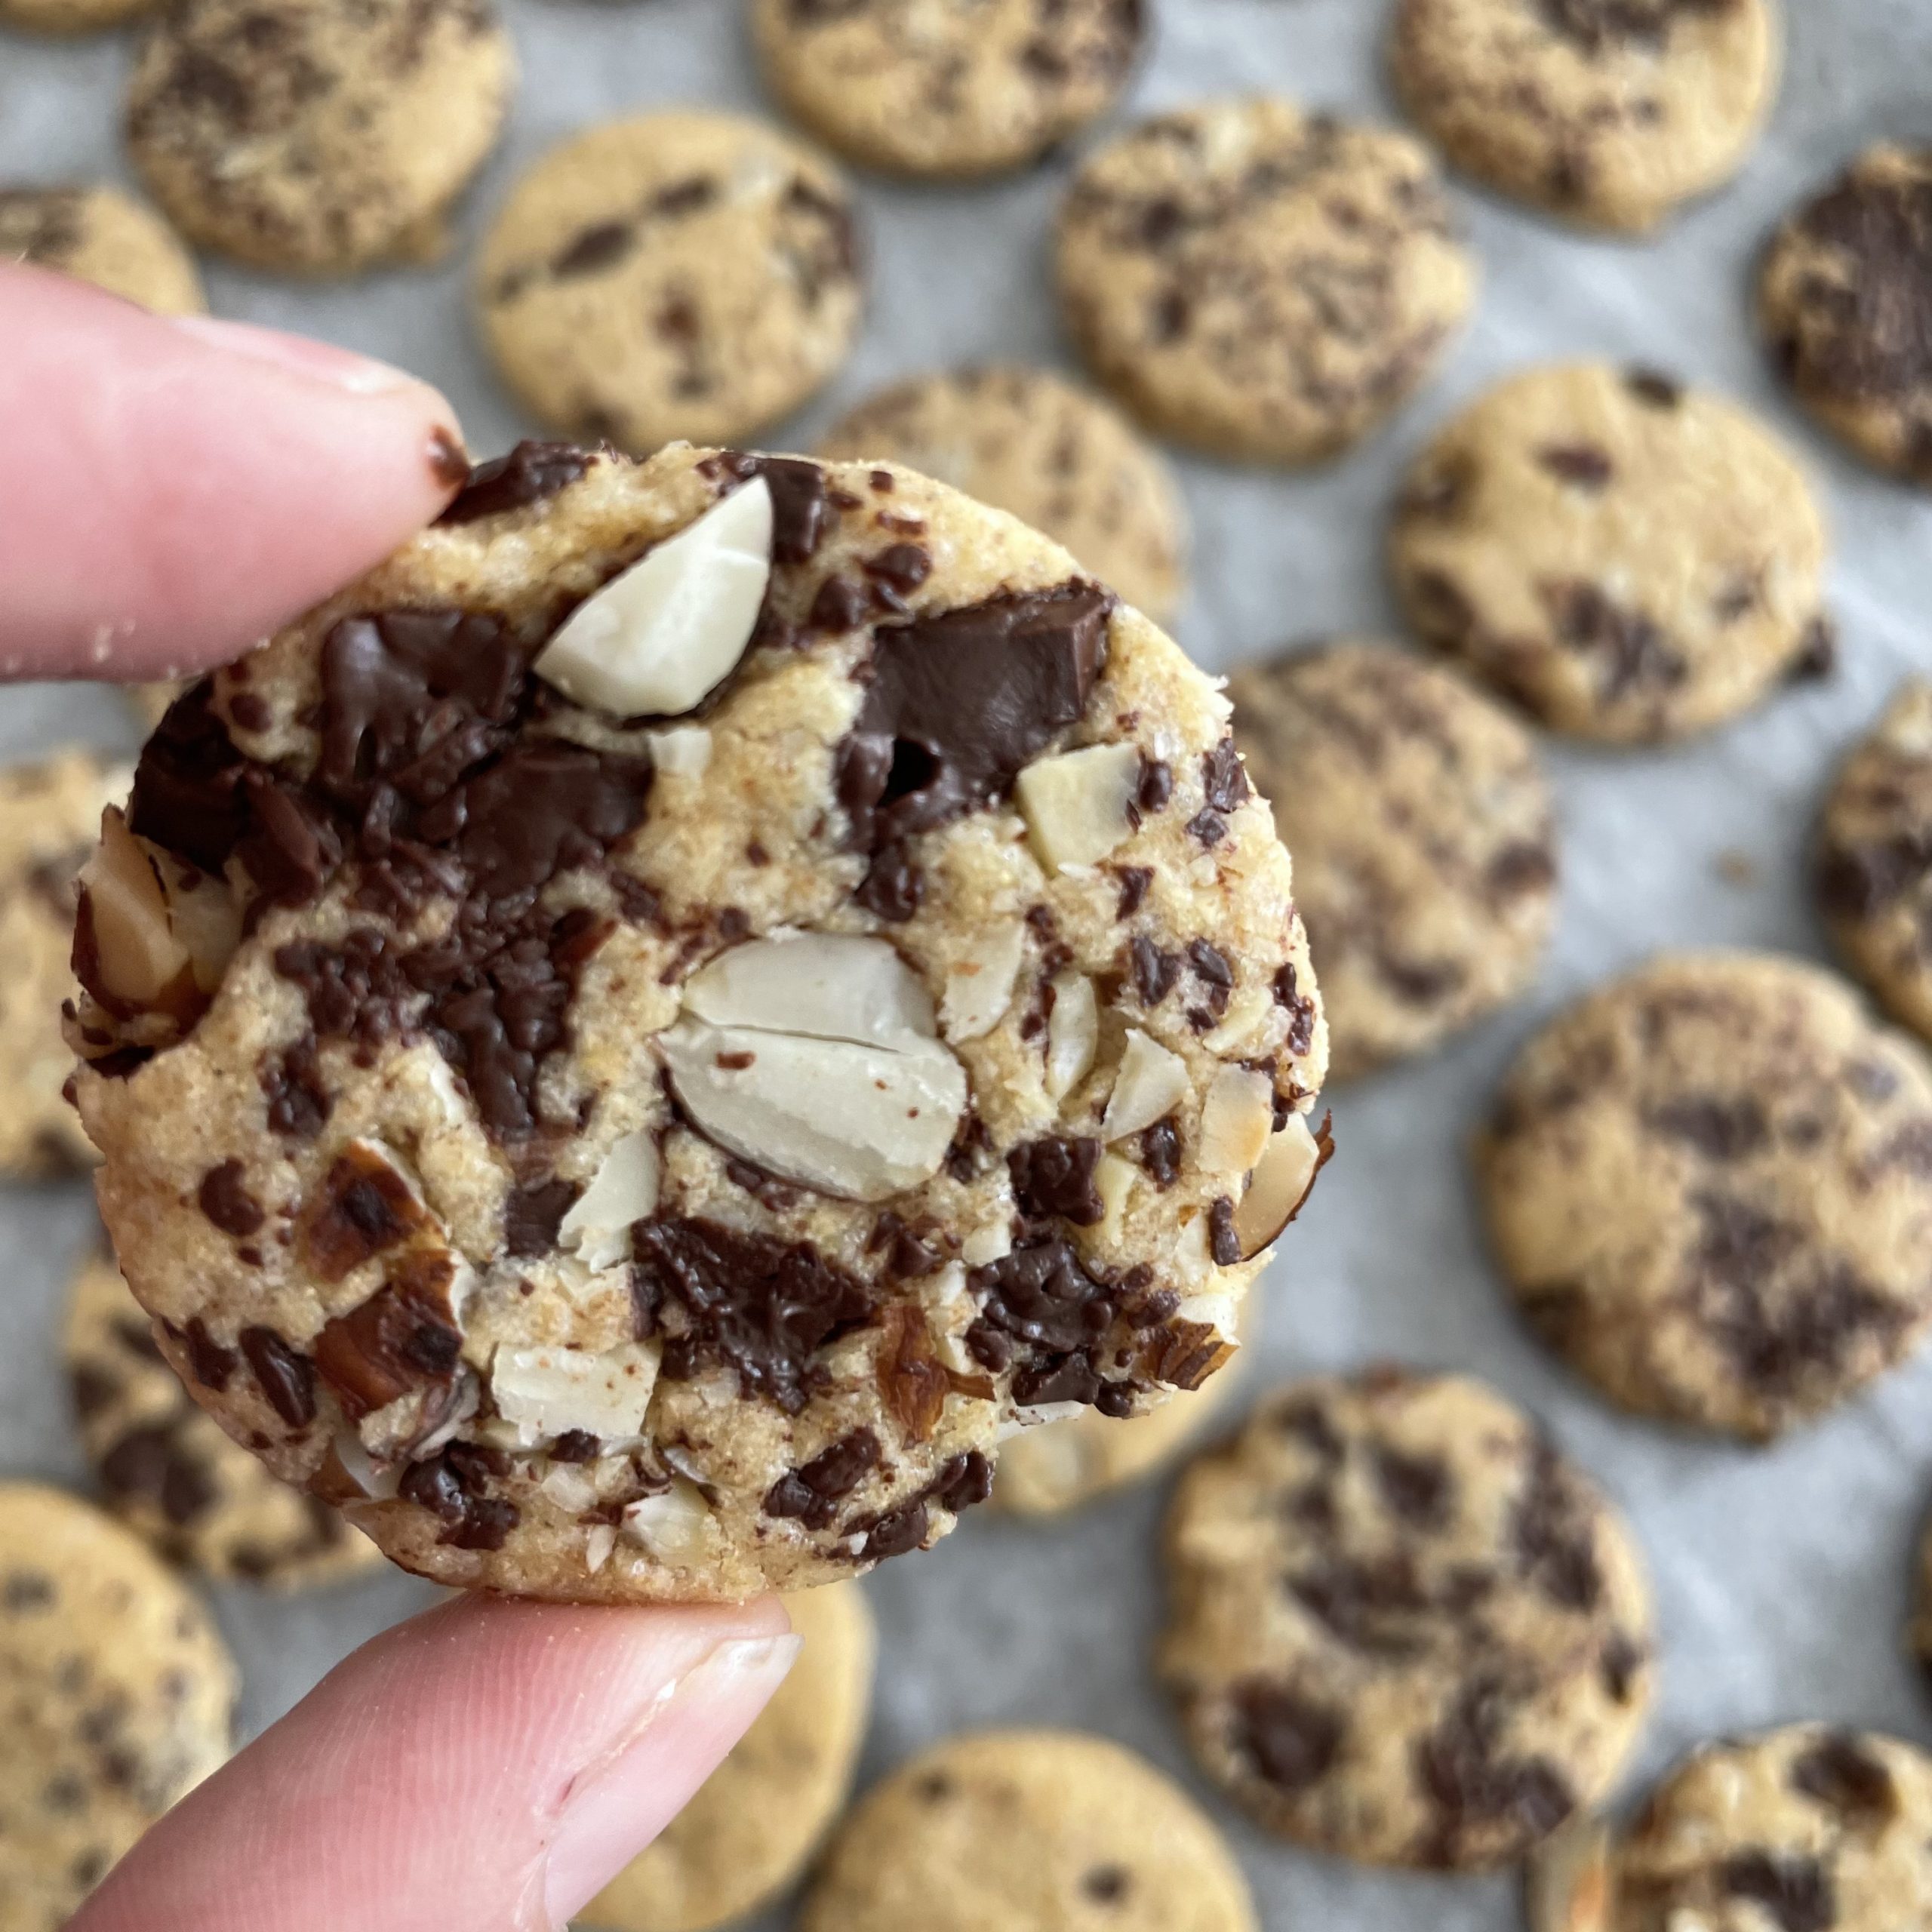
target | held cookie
[
  {"x": 1424, "y": 840},
  {"x": 1608, "y": 112},
  {"x": 679, "y": 275},
  {"x": 99, "y": 235},
  {"x": 948, "y": 87},
  {"x": 1630, "y": 561},
  {"x": 1845, "y": 299},
  {"x": 1028, "y": 1829},
  {"x": 1260, "y": 281},
  {"x": 1710, "y": 1186},
  {"x": 1404, "y": 1629},
  {"x": 116, "y": 1695},
  {"x": 1030, "y": 442},
  {"x": 629, "y": 1042},
  {"x": 169, "y": 1472},
  {"x": 757, "y": 1820},
  {"x": 314, "y": 138}
]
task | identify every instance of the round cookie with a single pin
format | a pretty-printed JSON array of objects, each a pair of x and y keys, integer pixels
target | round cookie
[
  {"x": 650, "y": 1144},
  {"x": 103, "y": 236},
  {"x": 1706, "y": 1183},
  {"x": 167, "y": 1471},
  {"x": 1845, "y": 299},
  {"x": 1805, "y": 1826},
  {"x": 50, "y": 817},
  {"x": 314, "y": 138},
  {"x": 1259, "y": 281},
  {"x": 1028, "y": 1828},
  {"x": 1608, "y": 112},
  {"x": 1630, "y": 561},
  {"x": 116, "y": 1696},
  {"x": 1424, "y": 838},
  {"x": 1405, "y": 1629},
  {"x": 757, "y": 1820},
  {"x": 1056, "y": 456},
  {"x": 677, "y": 276},
  {"x": 948, "y": 87}
]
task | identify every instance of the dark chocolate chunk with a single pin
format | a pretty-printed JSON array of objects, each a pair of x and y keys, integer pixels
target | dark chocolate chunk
[
  {"x": 532, "y": 1215},
  {"x": 1054, "y": 1177},
  {"x": 1583, "y": 464},
  {"x": 366, "y": 1208},
  {"x": 1659, "y": 391},
  {"x": 1419, "y": 1489},
  {"x": 150, "y": 1463},
  {"x": 1223, "y": 778},
  {"x": 209, "y": 1363},
  {"x": 1287, "y": 1739},
  {"x": 1223, "y": 1242},
  {"x": 1722, "y": 1128},
  {"x": 1844, "y": 1777},
  {"x": 1554, "y": 1534},
  {"x": 1795, "y": 1892},
  {"x": 811, "y": 1492},
  {"x": 531, "y": 473},
  {"x": 1471, "y": 1781},
  {"x": 403, "y": 1336},
  {"x": 1160, "y": 1152},
  {"x": 224, "y": 1199},
  {"x": 286, "y": 1377},
  {"x": 1154, "y": 971}
]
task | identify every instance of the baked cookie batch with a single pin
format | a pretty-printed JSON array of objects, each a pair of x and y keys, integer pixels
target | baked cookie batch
[{"x": 711, "y": 990}]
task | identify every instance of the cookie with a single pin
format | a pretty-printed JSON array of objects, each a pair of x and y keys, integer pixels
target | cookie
[
  {"x": 1028, "y": 1828},
  {"x": 1608, "y": 112},
  {"x": 679, "y": 275},
  {"x": 1424, "y": 835},
  {"x": 103, "y": 236},
  {"x": 116, "y": 1695},
  {"x": 1056, "y": 456},
  {"x": 633, "y": 1041},
  {"x": 50, "y": 817},
  {"x": 948, "y": 87},
  {"x": 1808, "y": 1826},
  {"x": 1259, "y": 281},
  {"x": 149, "y": 702},
  {"x": 754, "y": 1826},
  {"x": 314, "y": 138},
  {"x": 1629, "y": 560},
  {"x": 1405, "y": 1629},
  {"x": 1845, "y": 299},
  {"x": 1709, "y": 1185},
  {"x": 167, "y": 1471}
]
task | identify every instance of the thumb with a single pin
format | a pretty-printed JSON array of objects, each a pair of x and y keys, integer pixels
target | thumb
[{"x": 489, "y": 1765}]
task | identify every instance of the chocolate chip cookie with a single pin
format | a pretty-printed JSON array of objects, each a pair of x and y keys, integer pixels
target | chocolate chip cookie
[
  {"x": 1629, "y": 560},
  {"x": 169, "y": 1472},
  {"x": 677, "y": 276},
  {"x": 1710, "y": 1186},
  {"x": 1608, "y": 112},
  {"x": 100, "y": 235},
  {"x": 1028, "y": 1828},
  {"x": 1405, "y": 1629},
  {"x": 757, "y": 1820},
  {"x": 1845, "y": 299},
  {"x": 948, "y": 87},
  {"x": 1260, "y": 281},
  {"x": 50, "y": 817},
  {"x": 1424, "y": 840},
  {"x": 316, "y": 138},
  {"x": 115, "y": 1697},
  {"x": 633, "y": 1041},
  {"x": 1053, "y": 454}
]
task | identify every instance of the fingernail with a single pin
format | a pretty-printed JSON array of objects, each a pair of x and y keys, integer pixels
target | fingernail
[
  {"x": 321, "y": 361},
  {"x": 622, "y": 1803}
]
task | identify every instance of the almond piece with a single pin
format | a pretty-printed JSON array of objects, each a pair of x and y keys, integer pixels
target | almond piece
[
  {"x": 549, "y": 1392},
  {"x": 1280, "y": 1184},
  {"x": 831, "y": 986},
  {"x": 1566, "y": 1883},
  {"x": 126, "y": 952},
  {"x": 1237, "y": 1119},
  {"x": 1152, "y": 1082},
  {"x": 1073, "y": 1033},
  {"x": 1079, "y": 805},
  {"x": 676, "y": 1526},
  {"x": 597, "y": 1228},
  {"x": 979, "y": 989},
  {"x": 1113, "y": 1182}
]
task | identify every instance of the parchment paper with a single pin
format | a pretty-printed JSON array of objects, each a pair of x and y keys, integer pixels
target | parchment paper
[{"x": 1781, "y": 1576}]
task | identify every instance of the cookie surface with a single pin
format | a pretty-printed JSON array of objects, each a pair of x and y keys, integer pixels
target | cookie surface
[
  {"x": 100, "y": 235},
  {"x": 116, "y": 1698},
  {"x": 1405, "y": 1629},
  {"x": 1055, "y": 456},
  {"x": 1424, "y": 838},
  {"x": 1028, "y": 1828},
  {"x": 754, "y": 1823},
  {"x": 1608, "y": 112},
  {"x": 1260, "y": 281},
  {"x": 314, "y": 138},
  {"x": 959, "y": 87},
  {"x": 1707, "y": 1184},
  {"x": 679, "y": 275},
  {"x": 169, "y": 1472},
  {"x": 50, "y": 817},
  {"x": 1804, "y": 1826},
  {"x": 1630, "y": 561},
  {"x": 948, "y": 917},
  {"x": 1845, "y": 299}
]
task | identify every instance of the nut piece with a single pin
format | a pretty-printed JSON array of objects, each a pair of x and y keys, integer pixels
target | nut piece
[
  {"x": 598, "y": 1227},
  {"x": 682, "y": 752},
  {"x": 676, "y": 1526},
  {"x": 1236, "y": 1120},
  {"x": 658, "y": 636},
  {"x": 1113, "y": 1182},
  {"x": 549, "y": 1392},
  {"x": 829, "y": 985},
  {"x": 1073, "y": 1033},
  {"x": 1282, "y": 1178},
  {"x": 1567, "y": 1883},
  {"x": 979, "y": 988},
  {"x": 1079, "y": 805},
  {"x": 1152, "y": 1082}
]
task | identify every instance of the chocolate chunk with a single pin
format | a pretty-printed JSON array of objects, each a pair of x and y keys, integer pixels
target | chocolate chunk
[
  {"x": 1553, "y": 1532},
  {"x": 1720, "y": 1128},
  {"x": 801, "y": 511},
  {"x": 366, "y": 1208},
  {"x": 1222, "y": 777},
  {"x": 1419, "y": 1489},
  {"x": 1518, "y": 869},
  {"x": 1844, "y": 1777},
  {"x": 1618, "y": 1665},
  {"x": 1470, "y": 1781},
  {"x": 895, "y": 1534},
  {"x": 1156, "y": 786},
  {"x": 809, "y": 1493},
  {"x": 1054, "y": 1177},
  {"x": 1659, "y": 391},
  {"x": 1288, "y": 995},
  {"x": 286, "y": 1377},
  {"x": 593, "y": 248},
  {"x": 1856, "y": 882},
  {"x": 1041, "y": 1308},
  {"x": 1134, "y": 881},
  {"x": 187, "y": 790},
  {"x": 894, "y": 888},
  {"x": 1597, "y": 25},
  {"x": 1635, "y": 653},
  {"x": 1795, "y": 1893},
  {"x": 1208, "y": 826},
  {"x": 454, "y": 1488},
  {"x": 1223, "y": 1242},
  {"x": 1583, "y": 464},
  {"x": 1107, "y": 1884},
  {"x": 1289, "y": 1739},
  {"x": 1160, "y": 1152},
  {"x": 532, "y": 473},
  {"x": 403, "y": 1336},
  {"x": 1212, "y": 965},
  {"x": 964, "y": 1482},
  {"x": 209, "y": 1363},
  {"x": 532, "y": 1216},
  {"x": 544, "y": 808},
  {"x": 1817, "y": 653},
  {"x": 150, "y": 1463},
  {"x": 224, "y": 1199},
  {"x": 1154, "y": 971}
]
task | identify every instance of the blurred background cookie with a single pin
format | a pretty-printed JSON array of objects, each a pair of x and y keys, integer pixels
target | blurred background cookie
[{"x": 103, "y": 236}]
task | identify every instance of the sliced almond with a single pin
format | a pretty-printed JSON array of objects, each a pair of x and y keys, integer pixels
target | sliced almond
[
  {"x": 549, "y": 1392},
  {"x": 598, "y": 1546},
  {"x": 683, "y": 751},
  {"x": 831, "y": 986},
  {"x": 1073, "y": 1033},
  {"x": 661, "y": 635},
  {"x": 1152, "y": 1082},
  {"x": 1568, "y": 1882},
  {"x": 1113, "y": 1182},
  {"x": 979, "y": 988},
  {"x": 127, "y": 953},
  {"x": 597, "y": 1229},
  {"x": 1237, "y": 1119},
  {"x": 1282, "y": 1179},
  {"x": 1079, "y": 805},
  {"x": 676, "y": 1526}
]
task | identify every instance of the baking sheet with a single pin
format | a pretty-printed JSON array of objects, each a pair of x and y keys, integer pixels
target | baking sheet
[{"x": 1782, "y": 1575}]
